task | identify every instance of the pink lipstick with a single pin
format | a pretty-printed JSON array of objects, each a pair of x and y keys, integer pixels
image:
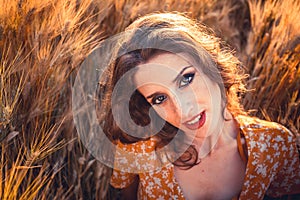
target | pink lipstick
[{"x": 197, "y": 121}]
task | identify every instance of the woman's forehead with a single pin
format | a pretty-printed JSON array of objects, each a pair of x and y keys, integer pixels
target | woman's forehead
[
  {"x": 162, "y": 69},
  {"x": 171, "y": 59}
]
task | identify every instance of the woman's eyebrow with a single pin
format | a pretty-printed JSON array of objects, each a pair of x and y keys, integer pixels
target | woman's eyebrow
[
  {"x": 152, "y": 95},
  {"x": 181, "y": 72},
  {"x": 177, "y": 77}
]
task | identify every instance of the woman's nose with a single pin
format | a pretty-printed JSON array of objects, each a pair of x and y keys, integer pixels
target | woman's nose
[{"x": 186, "y": 102}]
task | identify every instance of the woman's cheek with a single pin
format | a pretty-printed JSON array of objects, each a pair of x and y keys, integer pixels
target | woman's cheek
[
  {"x": 161, "y": 112},
  {"x": 164, "y": 114},
  {"x": 173, "y": 117}
]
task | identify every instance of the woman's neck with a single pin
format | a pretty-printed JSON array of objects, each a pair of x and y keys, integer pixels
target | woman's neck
[{"x": 227, "y": 135}]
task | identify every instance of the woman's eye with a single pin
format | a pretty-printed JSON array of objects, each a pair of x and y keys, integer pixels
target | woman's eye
[
  {"x": 186, "y": 79},
  {"x": 158, "y": 99}
]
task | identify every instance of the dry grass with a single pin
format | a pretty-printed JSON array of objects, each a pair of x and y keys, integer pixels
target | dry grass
[
  {"x": 42, "y": 44},
  {"x": 273, "y": 58}
]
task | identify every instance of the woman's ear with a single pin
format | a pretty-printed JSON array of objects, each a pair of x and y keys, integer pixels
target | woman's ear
[{"x": 226, "y": 114}]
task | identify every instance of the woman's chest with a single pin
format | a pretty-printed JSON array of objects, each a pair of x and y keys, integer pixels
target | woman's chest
[{"x": 219, "y": 176}]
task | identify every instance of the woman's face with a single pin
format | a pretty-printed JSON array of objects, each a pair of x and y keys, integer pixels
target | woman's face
[{"x": 181, "y": 94}]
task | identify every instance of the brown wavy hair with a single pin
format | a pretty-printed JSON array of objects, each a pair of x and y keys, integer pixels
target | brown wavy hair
[{"x": 147, "y": 37}]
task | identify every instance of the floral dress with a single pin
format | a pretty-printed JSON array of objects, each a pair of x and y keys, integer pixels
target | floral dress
[{"x": 273, "y": 166}]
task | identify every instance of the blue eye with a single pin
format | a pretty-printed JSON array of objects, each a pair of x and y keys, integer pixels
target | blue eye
[
  {"x": 159, "y": 99},
  {"x": 186, "y": 79}
]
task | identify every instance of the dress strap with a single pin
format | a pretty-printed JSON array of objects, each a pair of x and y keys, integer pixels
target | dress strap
[{"x": 242, "y": 147}]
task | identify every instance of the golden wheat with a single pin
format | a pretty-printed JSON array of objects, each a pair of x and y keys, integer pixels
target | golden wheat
[
  {"x": 273, "y": 58},
  {"x": 42, "y": 44}
]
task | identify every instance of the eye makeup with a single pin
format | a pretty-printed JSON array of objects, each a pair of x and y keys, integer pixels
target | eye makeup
[
  {"x": 186, "y": 79},
  {"x": 158, "y": 99},
  {"x": 183, "y": 79}
]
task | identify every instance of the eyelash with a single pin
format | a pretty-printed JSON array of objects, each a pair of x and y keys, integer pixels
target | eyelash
[
  {"x": 186, "y": 79},
  {"x": 157, "y": 98}
]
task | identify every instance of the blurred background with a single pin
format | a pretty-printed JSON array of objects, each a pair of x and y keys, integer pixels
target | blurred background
[{"x": 43, "y": 43}]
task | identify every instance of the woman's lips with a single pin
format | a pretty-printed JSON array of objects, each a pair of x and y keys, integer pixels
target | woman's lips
[{"x": 197, "y": 122}]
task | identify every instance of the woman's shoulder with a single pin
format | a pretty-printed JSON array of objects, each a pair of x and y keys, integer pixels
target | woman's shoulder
[
  {"x": 143, "y": 146},
  {"x": 255, "y": 127},
  {"x": 137, "y": 157},
  {"x": 273, "y": 158},
  {"x": 264, "y": 136}
]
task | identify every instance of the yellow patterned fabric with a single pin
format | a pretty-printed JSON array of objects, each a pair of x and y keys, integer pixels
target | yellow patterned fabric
[{"x": 272, "y": 169}]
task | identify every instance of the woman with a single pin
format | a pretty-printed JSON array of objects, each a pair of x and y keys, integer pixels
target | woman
[{"x": 181, "y": 89}]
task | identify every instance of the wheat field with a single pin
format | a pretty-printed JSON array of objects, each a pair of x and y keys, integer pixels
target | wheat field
[{"x": 43, "y": 43}]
